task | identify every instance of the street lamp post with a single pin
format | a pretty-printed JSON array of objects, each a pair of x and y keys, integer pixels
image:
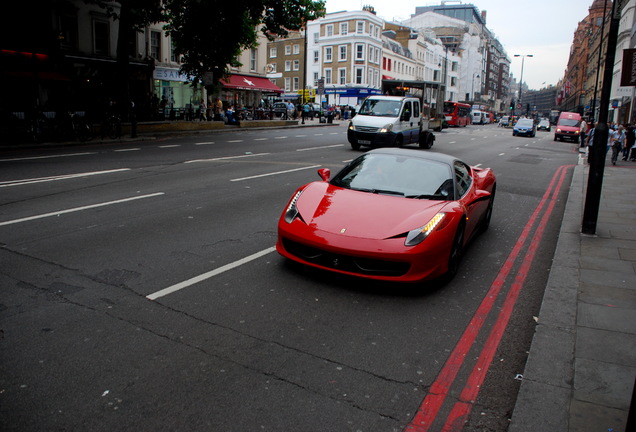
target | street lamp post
[{"x": 523, "y": 57}]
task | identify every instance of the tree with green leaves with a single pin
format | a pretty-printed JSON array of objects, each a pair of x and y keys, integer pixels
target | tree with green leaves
[{"x": 208, "y": 35}]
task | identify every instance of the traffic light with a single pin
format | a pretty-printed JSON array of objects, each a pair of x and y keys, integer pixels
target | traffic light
[{"x": 512, "y": 104}]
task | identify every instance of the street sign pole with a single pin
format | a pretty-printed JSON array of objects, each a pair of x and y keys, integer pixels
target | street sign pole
[{"x": 599, "y": 148}]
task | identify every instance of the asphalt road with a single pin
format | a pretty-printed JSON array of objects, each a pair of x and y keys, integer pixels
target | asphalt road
[{"x": 140, "y": 291}]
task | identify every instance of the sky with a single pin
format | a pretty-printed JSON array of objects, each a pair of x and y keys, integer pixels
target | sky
[{"x": 543, "y": 28}]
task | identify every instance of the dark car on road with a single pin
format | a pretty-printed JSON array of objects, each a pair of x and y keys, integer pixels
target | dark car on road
[
  {"x": 525, "y": 127},
  {"x": 544, "y": 124}
]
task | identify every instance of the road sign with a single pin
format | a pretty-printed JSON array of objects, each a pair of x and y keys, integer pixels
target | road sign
[{"x": 518, "y": 106}]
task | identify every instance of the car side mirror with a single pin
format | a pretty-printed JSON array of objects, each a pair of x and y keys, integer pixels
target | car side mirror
[{"x": 324, "y": 173}]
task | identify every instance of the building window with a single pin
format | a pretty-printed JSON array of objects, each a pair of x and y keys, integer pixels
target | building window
[
  {"x": 273, "y": 52},
  {"x": 328, "y": 54},
  {"x": 316, "y": 56},
  {"x": 68, "y": 31},
  {"x": 287, "y": 84},
  {"x": 359, "y": 52},
  {"x": 296, "y": 83},
  {"x": 296, "y": 49},
  {"x": 315, "y": 79},
  {"x": 342, "y": 76},
  {"x": 329, "y": 30},
  {"x": 155, "y": 45},
  {"x": 287, "y": 65},
  {"x": 360, "y": 27},
  {"x": 101, "y": 37},
  {"x": 173, "y": 52},
  {"x": 253, "y": 60},
  {"x": 359, "y": 75},
  {"x": 328, "y": 76},
  {"x": 296, "y": 65},
  {"x": 316, "y": 37},
  {"x": 288, "y": 49},
  {"x": 343, "y": 53},
  {"x": 344, "y": 28}
]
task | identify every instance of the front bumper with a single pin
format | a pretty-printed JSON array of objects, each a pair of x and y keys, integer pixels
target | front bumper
[
  {"x": 371, "y": 138},
  {"x": 383, "y": 259}
]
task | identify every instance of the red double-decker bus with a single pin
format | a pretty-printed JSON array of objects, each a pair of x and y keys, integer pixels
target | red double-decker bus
[{"x": 457, "y": 113}]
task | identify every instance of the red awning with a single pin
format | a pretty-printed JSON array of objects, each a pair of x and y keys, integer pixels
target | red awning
[{"x": 245, "y": 82}]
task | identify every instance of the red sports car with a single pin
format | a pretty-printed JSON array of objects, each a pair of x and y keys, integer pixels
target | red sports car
[{"x": 390, "y": 214}]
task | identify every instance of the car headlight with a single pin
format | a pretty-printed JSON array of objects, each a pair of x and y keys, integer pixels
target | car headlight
[
  {"x": 417, "y": 236},
  {"x": 291, "y": 212},
  {"x": 386, "y": 128},
  {"x": 558, "y": 130},
  {"x": 350, "y": 125}
]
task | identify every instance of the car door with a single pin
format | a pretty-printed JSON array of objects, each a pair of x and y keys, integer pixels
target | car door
[
  {"x": 468, "y": 197},
  {"x": 406, "y": 122}
]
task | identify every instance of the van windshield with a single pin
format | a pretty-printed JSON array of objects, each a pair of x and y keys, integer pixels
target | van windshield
[
  {"x": 381, "y": 108},
  {"x": 569, "y": 123}
]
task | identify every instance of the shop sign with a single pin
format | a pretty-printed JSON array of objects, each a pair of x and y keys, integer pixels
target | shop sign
[{"x": 167, "y": 74}]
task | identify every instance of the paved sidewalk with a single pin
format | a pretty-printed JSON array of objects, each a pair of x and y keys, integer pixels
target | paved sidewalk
[{"x": 582, "y": 363}]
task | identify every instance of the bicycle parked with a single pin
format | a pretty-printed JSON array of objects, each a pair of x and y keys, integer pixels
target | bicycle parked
[{"x": 111, "y": 127}]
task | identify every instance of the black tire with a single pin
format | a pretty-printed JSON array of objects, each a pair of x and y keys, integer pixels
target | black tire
[
  {"x": 485, "y": 223},
  {"x": 455, "y": 256},
  {"x": 399, "y": 141},
  {"x": 425, "y": 140},
  {"x": 355, "y": 145}
]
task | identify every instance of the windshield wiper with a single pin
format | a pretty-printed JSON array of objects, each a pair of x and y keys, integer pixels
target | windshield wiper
[
  {"x": 379, "y": 191},
  {"x": 431, "y": 197}
]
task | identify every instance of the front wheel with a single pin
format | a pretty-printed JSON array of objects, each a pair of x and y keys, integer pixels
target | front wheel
[
  {"x": 486, "y": 221},
  {"x": 455, "y": 257}
]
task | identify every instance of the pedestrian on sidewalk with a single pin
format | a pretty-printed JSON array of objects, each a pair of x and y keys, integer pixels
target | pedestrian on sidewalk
[
  {"x": 618, "y": 142},
  {"x": 583, "y": 132},
  {"x": 630, "y": 139}
]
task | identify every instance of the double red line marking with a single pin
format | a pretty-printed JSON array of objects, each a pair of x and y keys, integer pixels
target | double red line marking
[{"x": 429, "y": 410}]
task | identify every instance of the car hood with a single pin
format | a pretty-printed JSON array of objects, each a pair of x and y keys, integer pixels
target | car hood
[{"x": 351, "y": 213}]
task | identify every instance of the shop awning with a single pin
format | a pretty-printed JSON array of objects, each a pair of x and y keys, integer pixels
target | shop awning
[{"x": 245, "y": 82}]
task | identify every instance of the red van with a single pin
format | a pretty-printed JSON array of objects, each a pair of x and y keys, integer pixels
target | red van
[{"x": 568, "y": 127}]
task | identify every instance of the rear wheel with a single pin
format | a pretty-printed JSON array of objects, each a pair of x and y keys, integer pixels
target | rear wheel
[
  {"x": 399, "y": 141},
  {"x": 425, "y": 140}
]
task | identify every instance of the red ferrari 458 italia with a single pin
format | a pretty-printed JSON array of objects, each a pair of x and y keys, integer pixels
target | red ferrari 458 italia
[{"x": 390, "y": 214}]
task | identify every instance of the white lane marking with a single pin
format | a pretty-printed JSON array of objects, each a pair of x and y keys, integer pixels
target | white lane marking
[
  {"x": 170, "y": 146},
  {"x": 47, "y": 157},
  {"x": 318, "y": 148},
  {"x": 280, "y": 137},
  {"x": 260, "y": 139},
  {"x": 128, "y": 149},
  {"x": 275, "y": 173},
  {"x": 501, "y": 154},
  {"x": 299, "y": 136},
  {"x": 226, "y": 158},
  {"x": 234, "y": 141},
  {"x": 54, "y": 178},
  {"x": 452, "y": 142},
  {"x": 76, "y": 209},
  {"x": 204, "y": 276},
  {"x": 204, "y": 143}
]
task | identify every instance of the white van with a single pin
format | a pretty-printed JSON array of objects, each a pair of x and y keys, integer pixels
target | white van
[
  {"x": 389, "y": 121},
  {"x": 478, "y": 117}
]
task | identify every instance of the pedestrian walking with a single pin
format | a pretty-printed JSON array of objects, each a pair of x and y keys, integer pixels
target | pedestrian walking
[
  {"x": 618, "y": 142},
  {"x": 583, "y": 132},
  {"x": 630, "y": 140}
]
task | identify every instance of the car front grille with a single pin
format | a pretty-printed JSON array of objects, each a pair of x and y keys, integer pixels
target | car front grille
[
  {"x": 366, "y": 129},
  {"x": 347, "y": 263}
]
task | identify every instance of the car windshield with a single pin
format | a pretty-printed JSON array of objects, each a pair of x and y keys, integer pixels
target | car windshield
[
  {"x": 411, "y": 177},
  {"x": 569, "y": 123},
  {"x": 381, "y": 107},
  {"x": 525, "y": 123},
  {"x": 543, "y": 123}
]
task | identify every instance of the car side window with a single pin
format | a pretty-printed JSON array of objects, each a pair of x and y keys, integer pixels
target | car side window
[
  {"x": 416, "y": 109},
  {"x": 407, "y": 109},
  {"x": 462, "y": 178}
]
